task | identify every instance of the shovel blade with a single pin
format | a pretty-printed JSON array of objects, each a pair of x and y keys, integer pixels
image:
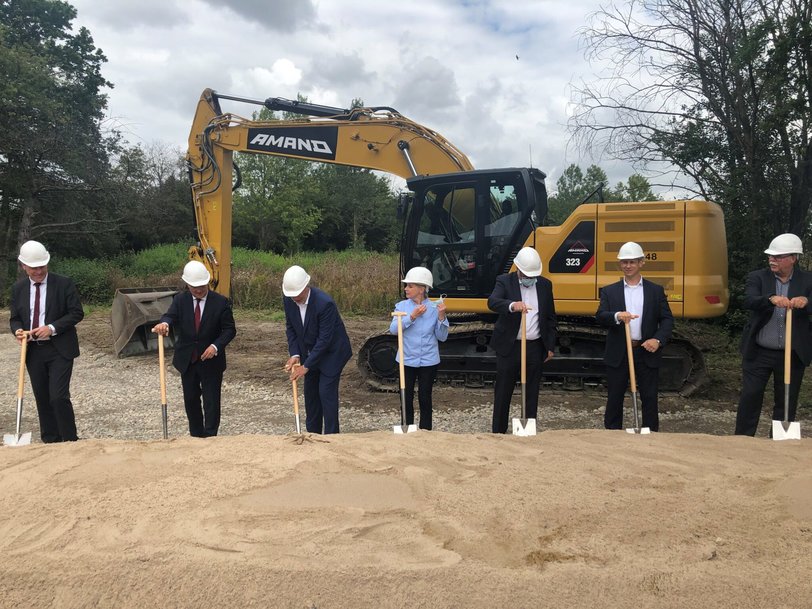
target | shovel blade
[
  {"x": 524, "y": 427},
  {"x": 12, "y": 439},
  {"x": 641, "y": 431},
  {"x": 792, "y": 431},
  {"x": 401, "y": 429}
]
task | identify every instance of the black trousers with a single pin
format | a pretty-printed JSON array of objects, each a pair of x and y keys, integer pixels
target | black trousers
[
  {"x": 424, "y": 375},
  {"x": 50, "y": 375},
  {"x": 508, "y": 373},
  {"x": 755, "y": 374},
  {"x": 617, "y": 380},
  {"x": 198, "y": 382}
]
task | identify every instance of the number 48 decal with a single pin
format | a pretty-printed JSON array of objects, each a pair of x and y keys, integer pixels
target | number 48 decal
[{"x": 651, "y": 256}]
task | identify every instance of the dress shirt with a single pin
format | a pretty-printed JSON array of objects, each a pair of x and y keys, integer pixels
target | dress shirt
[
  {"x": 202, "y": 307},
  {"x": 303, "y": 313},
  {"x": 530, "y": 297},
  {"x": 633, "y": 295},
  {"x": 32, "y": 294},
  {"x": 421, "y": 336}
]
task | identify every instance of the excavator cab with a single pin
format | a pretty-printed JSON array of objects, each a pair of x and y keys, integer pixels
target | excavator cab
[{"x": 466, "y": 228}]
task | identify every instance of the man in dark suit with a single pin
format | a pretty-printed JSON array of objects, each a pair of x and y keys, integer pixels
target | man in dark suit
[
  {"x": 768, "y": 293},
  {"x": 204, "y": 325},
  {"x": 642, "y": 305},
  {"x": 318, "y": 342},
  {"x": 522, "y": 290},
  {"x": 47, "y": 305}
]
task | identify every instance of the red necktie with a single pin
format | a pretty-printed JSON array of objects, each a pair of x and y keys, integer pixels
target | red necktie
[
  {"x": 197, "y": 315},
  {"x": 35, "y": 317},
  {"x": 195, "y": 354}
]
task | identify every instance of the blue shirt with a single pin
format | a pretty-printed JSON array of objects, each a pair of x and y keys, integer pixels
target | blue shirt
[{"x": 421, "y": 336}]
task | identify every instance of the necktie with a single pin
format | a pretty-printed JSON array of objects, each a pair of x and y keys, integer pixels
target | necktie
[
  {"x": 195, "y": 354},
  {"x": 197, "y": 315},
  {"x": 35, "y": 317}
]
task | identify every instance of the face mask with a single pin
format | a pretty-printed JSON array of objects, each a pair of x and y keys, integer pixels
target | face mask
[{"x": 528, "y": 282}]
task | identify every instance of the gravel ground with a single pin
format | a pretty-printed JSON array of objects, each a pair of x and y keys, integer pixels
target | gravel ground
[{"x": 120, "y": 398}]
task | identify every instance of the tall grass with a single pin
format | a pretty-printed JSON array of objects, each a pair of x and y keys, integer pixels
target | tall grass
[{"x": 360, "y": 282}]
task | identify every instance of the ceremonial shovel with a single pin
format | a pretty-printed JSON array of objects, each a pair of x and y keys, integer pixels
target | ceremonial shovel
[
  {"x": 633, "y": 382},
  {"x": 19, "y": 439},
  {"x": 402, "y": 428},
  {"x": 784, "y": 430},
  {"x": 162, "y": 376},
  {"x": 524, "y": 426}
]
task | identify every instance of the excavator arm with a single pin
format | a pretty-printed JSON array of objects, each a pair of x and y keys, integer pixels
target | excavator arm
[{"x": 376, "y": 138}]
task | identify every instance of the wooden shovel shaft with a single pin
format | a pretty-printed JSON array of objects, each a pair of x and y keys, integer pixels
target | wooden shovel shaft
[
  {"x": 295, "y": 384},
  {"x": 21, "y": 376},
  {"x": 630, "y": 355},
  {"x": 401, "y": 372},
  {"x": 524, "y": 364},
  {"x": 788, "y": 347},
  {"x": 162, "y": 368}
]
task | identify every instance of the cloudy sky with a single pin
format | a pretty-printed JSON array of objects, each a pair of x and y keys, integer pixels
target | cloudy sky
[{"x": 449, "y": 64}]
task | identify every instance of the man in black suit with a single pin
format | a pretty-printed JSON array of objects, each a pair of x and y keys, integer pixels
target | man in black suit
[
  {"x": 768, "y": 293},
  {"x": 47, "y": 305},
  {"x": 522, "y": 290},
  {"x": 318, "y": 341},
  {"x": 204, "y": 325},
  {"x": 642, "y": 305}
]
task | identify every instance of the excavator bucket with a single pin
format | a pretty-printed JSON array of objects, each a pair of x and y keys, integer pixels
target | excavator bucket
[{"x": 135, "y": 311}]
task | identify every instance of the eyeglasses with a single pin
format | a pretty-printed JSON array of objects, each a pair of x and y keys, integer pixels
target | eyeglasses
[{"x": 779, "y": 256}]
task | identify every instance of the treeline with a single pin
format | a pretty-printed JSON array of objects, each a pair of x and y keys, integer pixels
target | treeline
[{"x": 256, "y": 278}]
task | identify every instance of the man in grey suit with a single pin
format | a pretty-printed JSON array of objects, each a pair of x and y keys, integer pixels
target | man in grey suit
[
  {"x": 643, "y": 305},
  {"x": 47, "y": 306},
  {"x": 768, "y": 293}
]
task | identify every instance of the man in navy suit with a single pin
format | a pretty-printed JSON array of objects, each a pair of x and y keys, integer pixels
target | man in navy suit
[
  {"x": 523, "y": 290},
  {"x": 643, "y": 305},
  {"x": 318, "y": 342},
  {"x": 204, "y": 325},
  {"x": 47, "y": 305},
  {"x": 768, "y": 293}
]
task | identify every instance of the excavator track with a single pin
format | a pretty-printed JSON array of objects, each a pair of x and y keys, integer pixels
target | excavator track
[{"x": 466, "y": 359}]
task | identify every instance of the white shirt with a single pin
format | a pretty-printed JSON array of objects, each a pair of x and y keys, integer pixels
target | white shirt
[
  {"x": 202, "y": 303},
  {"x": 303, "y": 307},
  {"x": 32, "y": 294},
  {"x": 633, "y": 295},
  {"x": 530, "y": 297}
]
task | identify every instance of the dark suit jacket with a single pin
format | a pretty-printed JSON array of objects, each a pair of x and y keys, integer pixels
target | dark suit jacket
[
  {"x": 507, "y": 324},
  {"x": 760, "y": 285},
  {"x": 322, "y": 342},
  {"x": 657, "y": 321},
  {"x": 216, "y": 328},
  {"x": 63, "y": 311}
]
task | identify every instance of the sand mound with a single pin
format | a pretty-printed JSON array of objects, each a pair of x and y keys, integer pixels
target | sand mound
[{"x": 566, "y": 519}]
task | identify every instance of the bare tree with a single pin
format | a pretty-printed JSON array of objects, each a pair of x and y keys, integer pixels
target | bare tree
[{"x": 721, "y": 89}]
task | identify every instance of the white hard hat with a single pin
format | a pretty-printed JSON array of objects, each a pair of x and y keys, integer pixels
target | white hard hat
[
  {"x": 784, "y": 244},
  {"x": 419, "y": 274},
  {"x": 630, "y": 251},
  {"x": 33, "y": 253},
  {"x": 528, "y": 262},
  {"x": 295, "y": 281},
  {"x": 195, "y": 274}
]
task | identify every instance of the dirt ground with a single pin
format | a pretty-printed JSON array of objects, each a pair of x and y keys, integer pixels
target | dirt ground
[{"x": 575, "y": 517}]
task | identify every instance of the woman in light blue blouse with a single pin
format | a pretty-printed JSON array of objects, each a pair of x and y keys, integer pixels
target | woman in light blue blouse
[{"x": 424, "y": 325}]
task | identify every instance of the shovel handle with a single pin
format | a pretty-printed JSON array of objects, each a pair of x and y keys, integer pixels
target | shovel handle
[
  {"x": 630, "y": 356},
  {"x": 162, "y": 368},
  {"x": 401, "y": 371},
  {"x": 295, "y": 384},
  {"x": 788, "y": 347},
  {"x": 21, "y": 376},
  {"x": 524, "y": 347}
]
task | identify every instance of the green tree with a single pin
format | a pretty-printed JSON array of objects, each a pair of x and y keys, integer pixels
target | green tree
[
  {"x": 720, "y": 89},
  {"x": 52, "y": 150},
  {"x": 574, "y": 187}
]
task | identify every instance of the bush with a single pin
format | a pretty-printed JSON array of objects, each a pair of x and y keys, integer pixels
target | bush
[{"x": 92, "y": 278}]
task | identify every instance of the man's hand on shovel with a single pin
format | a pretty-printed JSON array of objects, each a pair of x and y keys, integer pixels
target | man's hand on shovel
[{"x": 297, "y": 371}]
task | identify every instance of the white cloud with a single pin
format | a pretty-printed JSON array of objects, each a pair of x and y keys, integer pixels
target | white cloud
[{"x": 450, "y": 65}]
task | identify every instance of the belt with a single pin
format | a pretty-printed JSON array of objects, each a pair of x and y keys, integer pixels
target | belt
[
  {"x": 636, "y": 343},
  {"x": 40, "y": 343}
]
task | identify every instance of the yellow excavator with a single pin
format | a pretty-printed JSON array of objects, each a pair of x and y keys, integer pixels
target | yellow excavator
[{"x": 464, "y": 225}]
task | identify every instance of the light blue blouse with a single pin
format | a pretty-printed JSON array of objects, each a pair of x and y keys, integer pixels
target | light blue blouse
[{"x": 421, "y": 336}]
